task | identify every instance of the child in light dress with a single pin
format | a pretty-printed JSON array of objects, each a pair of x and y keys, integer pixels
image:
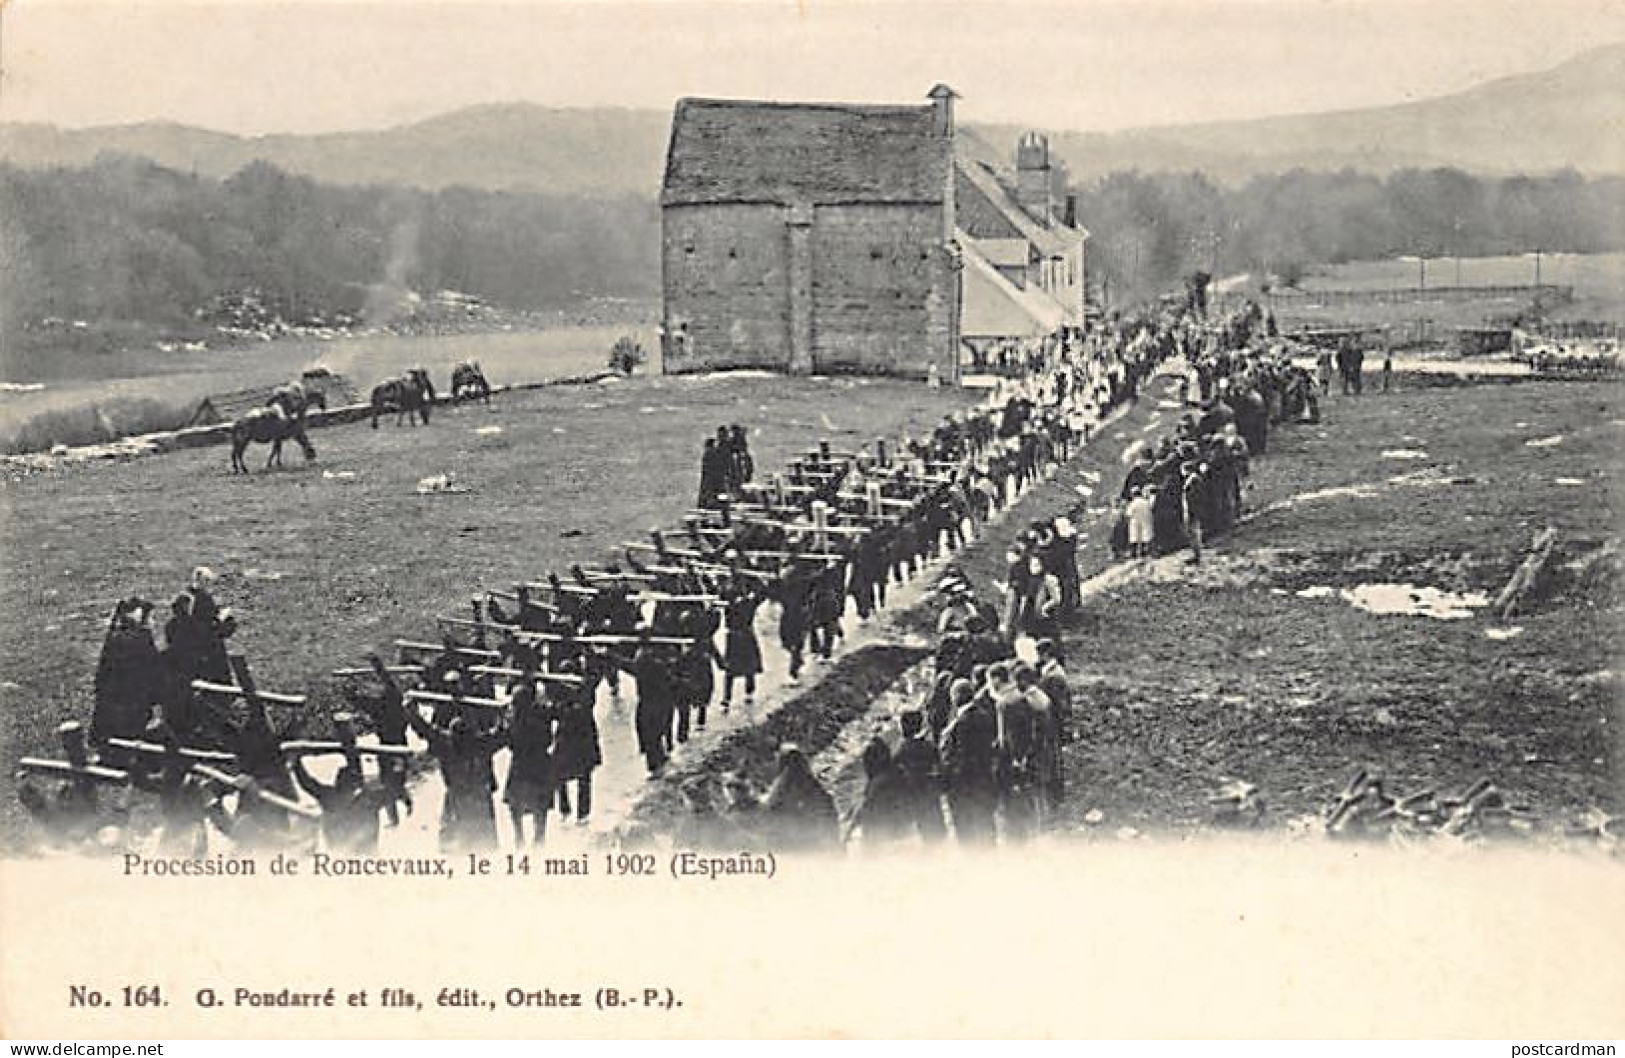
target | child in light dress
[{"x": 1139, "y": 523}]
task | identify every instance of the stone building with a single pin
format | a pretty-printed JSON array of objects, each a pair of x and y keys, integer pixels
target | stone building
[{"x": 843, "y": 238}]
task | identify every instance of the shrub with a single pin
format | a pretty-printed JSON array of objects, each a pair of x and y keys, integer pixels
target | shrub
[{"x": 626, "y": 354}]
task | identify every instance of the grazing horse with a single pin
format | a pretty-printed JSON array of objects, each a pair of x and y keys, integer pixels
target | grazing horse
[
  {"x": 268, "y": 425},
  {"x": 468, "y": 383},
  {"x": 409, "y": 395}
]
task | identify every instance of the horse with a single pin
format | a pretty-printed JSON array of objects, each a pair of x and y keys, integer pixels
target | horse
[
  {"x": 468, "y": 383},
  {"x": 409, "y": 395},
  {"x": 271, "y": 425},
  {"x": 296, "y": 399}
]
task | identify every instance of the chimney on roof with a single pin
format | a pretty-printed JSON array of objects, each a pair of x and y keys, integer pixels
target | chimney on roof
[
  {"x": 1033, "y": 176},
  {"x": 942, "y": 105},
  {"x": 1070, "y": 217}
]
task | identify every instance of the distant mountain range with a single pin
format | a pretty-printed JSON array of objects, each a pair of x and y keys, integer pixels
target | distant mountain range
[{"x": 1572, "y": 115}]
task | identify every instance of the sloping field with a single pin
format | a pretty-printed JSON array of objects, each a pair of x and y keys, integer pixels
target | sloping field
[{"x": 328, "y": 560}]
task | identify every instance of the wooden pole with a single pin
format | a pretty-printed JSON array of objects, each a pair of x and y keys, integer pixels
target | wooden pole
[
  {"x": 441, "y": 648},
  {"x": 244, "y": 785},
  {"x": 72, "y": 736},
  {"x": 457, "y": 699},
  {"x": 529, "y": 674},
  {"x": 393, "y": 670},
  {"x": 156, "y": 749},
  {"x": 235, "y": 691}
]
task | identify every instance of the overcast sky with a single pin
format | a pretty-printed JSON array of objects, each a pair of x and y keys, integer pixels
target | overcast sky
[{"x": 252, "y": 66}]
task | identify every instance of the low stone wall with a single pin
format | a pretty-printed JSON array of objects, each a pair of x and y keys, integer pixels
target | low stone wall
[{"x": 220, "y": 433}]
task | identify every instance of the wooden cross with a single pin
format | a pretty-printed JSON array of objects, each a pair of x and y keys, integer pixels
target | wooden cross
[
  {"x": 455, "y": 699},
  {"x": 604, "y": 574},
  {"x": 246, "y": 786},
  {"x": 602, "y": 639},
  {"x": 825, "y": 556},
  {"x": 159, "y": 749},
  {"x": 665, "y": 550},
  {"x": 77, "y": 766},
  {"x": 413, "y": 646},
  {"x": 692, "y": 600},
  {"x": 738, "y": 571},
  {"x": 344, "y": 728},
  {"x": 244, "y": 688},
  {"x": 674, "y": 571},
  {"x": 529, "y": 674},
  {"x": 393, "y": 670}
]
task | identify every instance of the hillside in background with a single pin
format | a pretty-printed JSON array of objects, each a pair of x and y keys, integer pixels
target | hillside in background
[
  {"x": 601, "y": 152},
  {"x": 1570, "y": 116}
]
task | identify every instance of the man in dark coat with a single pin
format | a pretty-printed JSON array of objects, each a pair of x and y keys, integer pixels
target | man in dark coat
[
  {"x": 743, "y": 467},
  {"x": 968, "y": 760},
  {"x": 576, "y": 752},
  {"x": 742, "y": 652},
  {"x": 531, "y": 783},
  {"x": 799, "y": 813},
  {"x": 387, "y": 712},
  {"x": 463, "y": 748},
  {"x": 883, "y": 814},
  {"x": 651, "y": 670},
  {"x": 129, "y": 676},
  {"x": 186, "y": 646},
  {"x": 919, "y": 767},
  {"x": 713, "y": 475},
  {"x": 793, "y": 592}
]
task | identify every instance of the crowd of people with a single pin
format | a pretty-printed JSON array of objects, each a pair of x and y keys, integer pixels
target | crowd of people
[
  {"x": 829, "y": 537},
  {"x": 980, "y": 758},
  {"x": 134, "y": 676},
  {"x": 1187, "y": 487}
]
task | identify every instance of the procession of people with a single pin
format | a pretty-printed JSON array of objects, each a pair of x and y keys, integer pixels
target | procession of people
[{"x": 803, "y": 551}]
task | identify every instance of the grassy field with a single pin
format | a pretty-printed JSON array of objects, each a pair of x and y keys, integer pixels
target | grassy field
[
  {"x": 322, "y": 569},
  {"x": 156, "y": 391},
  {"x": 1598, "y": 281},
  {"x": 1591, "y": 275},
  {"x": 1201, "y": 673}
]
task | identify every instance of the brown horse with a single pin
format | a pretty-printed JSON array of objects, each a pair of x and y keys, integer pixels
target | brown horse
[
  {"x": 468, "y": 383},
  {"x": 296, "y": 399},
  {"x": 409, "y": 395},
  {"x": 268, "y": 425}
]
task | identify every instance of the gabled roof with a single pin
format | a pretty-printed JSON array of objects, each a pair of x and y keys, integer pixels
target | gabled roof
[
  {"x": 994, "y": 307},
  {"x": 790, "y": 153},
  {"x": 1049, "y": 240}
]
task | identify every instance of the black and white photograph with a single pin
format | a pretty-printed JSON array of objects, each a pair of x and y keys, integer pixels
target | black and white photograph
[{"x": 826, "y": 487}]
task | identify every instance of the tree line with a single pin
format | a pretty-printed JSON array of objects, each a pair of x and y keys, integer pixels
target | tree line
[
  {"x": 1150, "y": 230},
  {"x": 128, "y": 243},
  {"x": 131, "y": 241}
]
